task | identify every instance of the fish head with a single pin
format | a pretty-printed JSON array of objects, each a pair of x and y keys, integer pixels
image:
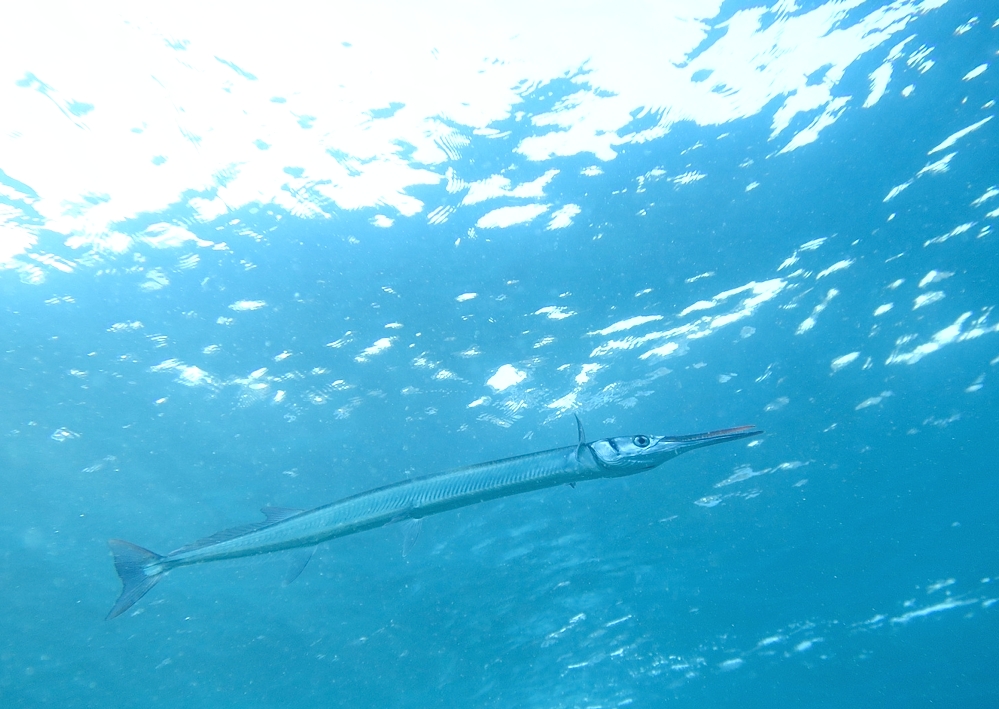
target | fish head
[{"x": 626, "y": 455}]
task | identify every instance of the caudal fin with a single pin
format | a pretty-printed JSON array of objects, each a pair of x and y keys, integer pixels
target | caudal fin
[{"x": 133, "y": 564}]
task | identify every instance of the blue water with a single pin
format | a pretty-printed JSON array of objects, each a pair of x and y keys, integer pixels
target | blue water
[{"x": 849, "y": 556}]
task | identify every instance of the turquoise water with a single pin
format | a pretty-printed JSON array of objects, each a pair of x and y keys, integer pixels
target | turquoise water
[{"x": 168, "y": 371}]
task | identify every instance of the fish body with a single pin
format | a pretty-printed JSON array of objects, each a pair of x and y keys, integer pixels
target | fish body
[{"x": 413, "y": 499}]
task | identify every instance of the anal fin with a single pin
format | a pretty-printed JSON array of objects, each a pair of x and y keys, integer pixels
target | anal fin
[
  {"x": 411, "y": 532},
  {"x": 300, "y": 558}
]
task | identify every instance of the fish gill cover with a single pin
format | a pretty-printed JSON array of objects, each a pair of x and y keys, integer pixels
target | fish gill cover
[{"x": 256, "y": 257}]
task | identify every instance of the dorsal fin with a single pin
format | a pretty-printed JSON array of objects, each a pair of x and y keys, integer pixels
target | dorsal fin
[
  {"x": 582, "y": 437},
  {"x": 223, "y": 536},
  {"x": 277, "y": 514},
  {"x": 272, "y": 514}
]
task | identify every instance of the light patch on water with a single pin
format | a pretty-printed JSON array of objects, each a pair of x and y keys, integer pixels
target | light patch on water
[
  {"x": 61, "y": 435},
  {"x": 831, "y": 112},
  {"x": 746, "y": 472},
  {"x": 126, "y": 326},
  {"x": 934, "y": 587},
  {"x": 337, "y": 344},
  {"x": 956, "y": 231},
  {"x": 896, "y": 191},
  {"x": 927, "y": 299},
  {"x": 564, "y": 403},
  {"x": 555, "y": 312},
  {"x": 710, "y": 501},
  {"x": 975, "y": 73},
  {"x": 962, "y": 29},
  {"x": 699, "y": 305},
  {"x": 349, "y": 155},
  {"x": 156, "y": 279},
  {"x": 688, "y": 178},
  {"x": 938, "y": 167},
  {"x": 953, "y": 138},
  {"x": 499, "y": 186},
  {"x": 194, "y": 376},
  {"x": 806, "y": 645},
  {"x": 617, "y": 621},
  {"x": 56, "y": 262},
  {"x": 975, "y": 385},
  {"x": 661, "y": 351},
  {"x": 947, "y": 605},
  {"x": 840, "y": 362},
  {"x": 506, "y": 377},
  {"x": 627, "y": 324},
  {"x": 838, "y": 266},
  {"x": 466, "y": 297},
  {"x": 244, "y": 305},
  {"x": 954, "y": 332},
  {"x": 986, "y": 196},
  {"x": 813, "y": 244},
  {"x": 880, "y": 79},
  {"x": 562, "y": 217},
  {"x": 934, "y": 276},
  {"x": 809, "y": 322},
  {"x": 586, "y": 371},
  {"x": 777, "y": 404},
  {"x": 510, "y": 216},
  {"x": 379, "y": 346},
  {"x": 165, "y": 236},
  {"x": 872, "y": 401},
  {"x": 761, "y": 292}
]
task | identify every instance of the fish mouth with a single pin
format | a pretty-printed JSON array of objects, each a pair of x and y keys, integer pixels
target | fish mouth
[
  {"x": 723, "y": 434},
  {"x": 709, "y": 438}
]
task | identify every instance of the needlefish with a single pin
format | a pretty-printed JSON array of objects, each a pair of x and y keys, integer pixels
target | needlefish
[{"x": 409, "y": 501}]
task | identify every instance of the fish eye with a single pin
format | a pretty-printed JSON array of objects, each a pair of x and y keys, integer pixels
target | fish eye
[{"x": 641, "y": 441}]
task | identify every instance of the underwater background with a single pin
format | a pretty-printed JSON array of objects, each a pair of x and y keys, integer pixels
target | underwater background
[{"x": 255, "y": 257}]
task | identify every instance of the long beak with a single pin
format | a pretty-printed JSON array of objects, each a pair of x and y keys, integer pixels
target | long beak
[{"x": 682, "y": 444}]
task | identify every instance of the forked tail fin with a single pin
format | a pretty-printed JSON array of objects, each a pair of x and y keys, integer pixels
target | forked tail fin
[{"x": 133, "y": 564}]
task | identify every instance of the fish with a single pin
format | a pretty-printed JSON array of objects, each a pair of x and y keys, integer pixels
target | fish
[{"x": 409, "y": 501}]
